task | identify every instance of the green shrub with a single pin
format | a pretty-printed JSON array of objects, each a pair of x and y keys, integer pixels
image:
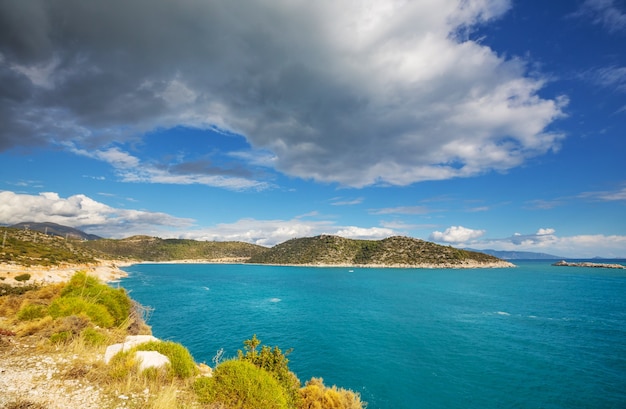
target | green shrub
[
  {"x": 122, "y": 364},
  {"x": 61, "y": 337},
  {"x": 22, "y": 277},
  {"x": 116, "y": 301},
  {"x": 181, "y": 361},
  {"x": 241, "y": 385},
  {"x": 275, "y": 362},
  {"x": 68, "y": 306},
  {"x": 93, "y": 337},
  {"x": 31, "y": 312}
]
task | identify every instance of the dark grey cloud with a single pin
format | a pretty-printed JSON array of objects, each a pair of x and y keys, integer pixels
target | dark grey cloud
[{"x": 358, "y": 93}]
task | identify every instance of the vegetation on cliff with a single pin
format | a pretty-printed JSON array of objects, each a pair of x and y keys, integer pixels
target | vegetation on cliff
[
  {"x": 34, "y": 248},
  {"x": 157, "y": 249},
  {"x": 30, "y": 247},
  {"x": 392, "y": 251}
]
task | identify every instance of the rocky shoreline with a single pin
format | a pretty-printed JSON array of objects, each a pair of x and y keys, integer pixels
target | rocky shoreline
[{"x": 564, "y": 263}]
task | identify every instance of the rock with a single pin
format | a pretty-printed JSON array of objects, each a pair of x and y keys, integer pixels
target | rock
[
  {"x": 205, "y": 370},
  {"x": 151, "y": 359},
  {"x": 130, "y": 342},
  {"x": 564, "y": 263}
]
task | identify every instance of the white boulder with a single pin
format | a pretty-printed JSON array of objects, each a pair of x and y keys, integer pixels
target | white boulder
[
  {"x": 151, "y": 359},
  {"x": 130, "y": 342}
]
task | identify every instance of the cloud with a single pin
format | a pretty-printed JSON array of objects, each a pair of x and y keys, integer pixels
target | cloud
[
  {"x": 605, "y": 13},
  {"x": 456, "y": 234},
  {"x": 356, "y": 93},
  {"x": 346, "y": 202},
  {"x": 402, "y": 210},
  {"x": 272, "y": 232},
  {"x": 131, "y": 169},
  {"x": 547, "y": 241},
  {"x": 610, "y": 77},
  {"x": 82, "y": 212},
  {"x": 607, "y": 195}
]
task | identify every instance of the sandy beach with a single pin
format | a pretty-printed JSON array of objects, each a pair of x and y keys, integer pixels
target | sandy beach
[{"x": 105, "y": 270}]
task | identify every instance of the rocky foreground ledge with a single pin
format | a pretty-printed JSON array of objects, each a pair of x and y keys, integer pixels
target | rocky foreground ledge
[{"x": 564, "y": 263}]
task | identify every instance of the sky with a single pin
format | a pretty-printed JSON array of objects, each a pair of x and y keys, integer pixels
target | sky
[{"x": 484, "y": 124}]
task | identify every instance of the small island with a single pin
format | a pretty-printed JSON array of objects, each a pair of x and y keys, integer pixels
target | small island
[{"x": 564, "y": 263}]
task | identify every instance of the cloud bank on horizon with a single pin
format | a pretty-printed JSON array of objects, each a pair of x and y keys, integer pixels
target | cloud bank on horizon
[
  {"x": 94, "y": 217},
  {"x": 411, "y": 96}
]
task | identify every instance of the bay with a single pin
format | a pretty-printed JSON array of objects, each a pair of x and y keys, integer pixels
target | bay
[{"x": 535, "y": 336}]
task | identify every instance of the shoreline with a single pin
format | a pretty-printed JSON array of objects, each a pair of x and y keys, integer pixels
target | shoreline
[
  {"x": 111, "y": 270},
  {"x": 463, "y": 265},
  {"x": 105, "y": 270}
]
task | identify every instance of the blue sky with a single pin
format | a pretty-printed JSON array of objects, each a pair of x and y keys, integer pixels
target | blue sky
[{"x": 488, "y": 124}]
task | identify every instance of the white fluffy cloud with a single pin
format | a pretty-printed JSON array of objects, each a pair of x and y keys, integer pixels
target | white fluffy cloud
[
  {"x": 547, "y": 241},
  {"x": 456, "y": 234},
  {"x": 272, "y": 232},
  {"x": 353, "y": 92},
  {"x": 85, "y": 213},
  {"x": 82, "y": 212}
]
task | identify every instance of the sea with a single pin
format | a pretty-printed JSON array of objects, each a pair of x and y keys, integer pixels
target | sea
[{"x": 534, "y": 336}]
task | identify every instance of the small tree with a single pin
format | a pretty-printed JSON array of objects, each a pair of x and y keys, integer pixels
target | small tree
[{"x": 275, "y": 362}]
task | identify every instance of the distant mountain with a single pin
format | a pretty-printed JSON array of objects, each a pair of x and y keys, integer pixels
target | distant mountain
[
  {"x": 518, "y": 255},
  {"x": 56, "y": 230},
  {"x": 393, "y": 251}
]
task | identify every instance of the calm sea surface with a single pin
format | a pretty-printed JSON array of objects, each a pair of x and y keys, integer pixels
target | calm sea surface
[{"x": 535, "y": 336}]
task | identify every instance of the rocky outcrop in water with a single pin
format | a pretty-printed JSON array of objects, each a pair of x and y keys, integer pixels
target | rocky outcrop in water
[{"x": 564, "y": 263}]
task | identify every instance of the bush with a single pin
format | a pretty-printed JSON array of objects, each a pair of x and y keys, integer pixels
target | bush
[
  {"x": 61, "y": 337},
  {"x": 315, "y": 395},
  {"x": 31, "y": 312},
  {"x": 93, "y": 337},
  {"x": 122, "y": 364},
  {"x": 115, "y": 301},
  {"x": 68, "y": 306},
  {"x": 22, "y": 277},
  {"x": 275, "y": 362},
  {"x": 181, "y": 361},
  {"x": 241, "y": 385}
]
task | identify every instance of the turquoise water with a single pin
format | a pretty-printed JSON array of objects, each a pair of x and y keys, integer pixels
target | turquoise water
[{"x": 535, "y": 336}]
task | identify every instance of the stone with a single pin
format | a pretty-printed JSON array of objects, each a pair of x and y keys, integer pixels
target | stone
[
  {"x": 130, "y": 342},
  {"x": 151, "y": 359}
]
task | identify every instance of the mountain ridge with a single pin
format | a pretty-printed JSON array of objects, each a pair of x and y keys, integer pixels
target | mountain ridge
[{"x": 33, "y": 247}]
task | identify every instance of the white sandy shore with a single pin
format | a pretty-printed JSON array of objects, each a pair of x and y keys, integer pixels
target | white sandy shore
[
  {"x": 463, "y": 264},
  {"x": 105, "y": 270}
]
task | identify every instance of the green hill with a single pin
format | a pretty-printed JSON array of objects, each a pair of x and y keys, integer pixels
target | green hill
[
  {"x": 54, "y": 229},
  {"x": 392, "y": 251},
  {"x": 157, "y": 249},
  {"x": 30, "y": 247}
]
